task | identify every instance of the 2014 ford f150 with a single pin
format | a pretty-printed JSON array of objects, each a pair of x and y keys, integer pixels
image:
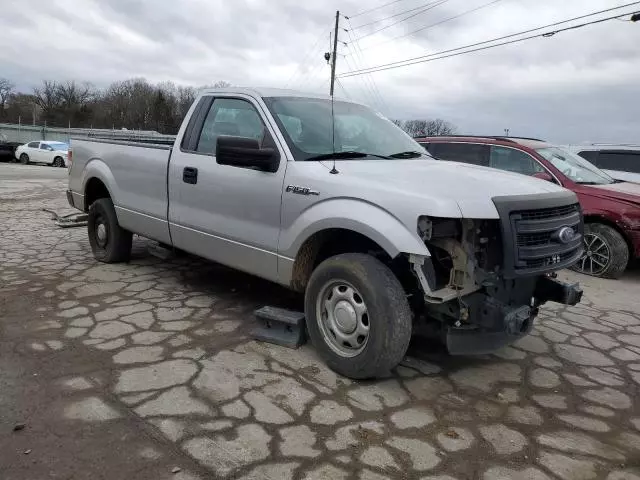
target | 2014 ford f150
[{"x": 329, "y": 198}]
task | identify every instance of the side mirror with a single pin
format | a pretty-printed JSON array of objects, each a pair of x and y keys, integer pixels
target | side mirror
[
  {"x": 544, "y": 176},
  {"x": 246, "y": 152}
]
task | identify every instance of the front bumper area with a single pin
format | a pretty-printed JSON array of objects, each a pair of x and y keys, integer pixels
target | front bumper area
[{"x": 493, "y": 324}]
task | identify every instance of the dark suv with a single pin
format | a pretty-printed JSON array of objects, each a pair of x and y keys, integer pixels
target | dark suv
[{"x": 611, "y": 207}]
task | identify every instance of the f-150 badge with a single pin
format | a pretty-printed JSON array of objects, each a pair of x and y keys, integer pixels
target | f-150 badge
[{"x": 301, "y": 190}]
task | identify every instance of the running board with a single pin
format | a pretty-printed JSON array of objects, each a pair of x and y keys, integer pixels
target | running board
[{"x": 279, "y": 326}]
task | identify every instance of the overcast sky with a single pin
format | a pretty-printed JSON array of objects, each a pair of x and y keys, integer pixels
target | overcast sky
[{"x": 581, "y": 85}]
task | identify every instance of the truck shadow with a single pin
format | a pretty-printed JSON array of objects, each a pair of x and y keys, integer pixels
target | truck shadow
[{"x": 244, "y": 292}]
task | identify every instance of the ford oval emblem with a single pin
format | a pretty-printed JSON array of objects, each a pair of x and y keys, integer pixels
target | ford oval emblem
[{"x": 563, "y": 235}]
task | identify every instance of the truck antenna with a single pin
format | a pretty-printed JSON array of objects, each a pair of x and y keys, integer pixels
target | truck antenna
[
  {"x": 334, "y": 57},
  {"x": 333, "y": 137}
]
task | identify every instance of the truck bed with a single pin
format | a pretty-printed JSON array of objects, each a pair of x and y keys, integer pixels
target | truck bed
[{"x": 136, "y": 173}]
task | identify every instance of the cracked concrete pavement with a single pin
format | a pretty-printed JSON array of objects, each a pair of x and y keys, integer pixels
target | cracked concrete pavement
[{"x": 146, "y": 370}]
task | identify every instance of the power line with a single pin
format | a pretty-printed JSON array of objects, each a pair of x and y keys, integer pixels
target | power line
[
  {"x": 467, "y": 12},
  {"x": 425, "y": 9},
  {"x": 373, "y": 9},
  {"x": 390, "y": 16},
  {"x": 365, "y": 82},
  {"x": 343, "y": 89},
  {"x": 305, "y": 58},
  {"x": 440, "y": 55},
  {"x": 371, "y": 80}
]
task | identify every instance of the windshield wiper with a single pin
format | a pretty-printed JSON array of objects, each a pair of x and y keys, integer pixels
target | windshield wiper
[
  {"x": 345, "y": 155},
  {"x": 409, "y": 154}
]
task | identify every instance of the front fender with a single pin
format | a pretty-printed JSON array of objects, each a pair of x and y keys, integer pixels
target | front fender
[{"x": 356, "y": 215}]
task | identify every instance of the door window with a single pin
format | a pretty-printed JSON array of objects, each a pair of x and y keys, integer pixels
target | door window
[
  {"x": 229, "y": 117},
  {"x": 591, "y": 156},
  {"x": 473, "y": 153},
  {"x": 44, "y": 146},
  {"x": 33, "y": 144},
  {"x": 513, "y": 160},
  {"x": 626, "y": 161}
]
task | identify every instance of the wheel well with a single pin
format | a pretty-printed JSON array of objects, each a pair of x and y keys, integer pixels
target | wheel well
[
  {"x": 612, "y": 224},
  {"x": 327, "y": 243},
  {"x": 95, "y": 189}
]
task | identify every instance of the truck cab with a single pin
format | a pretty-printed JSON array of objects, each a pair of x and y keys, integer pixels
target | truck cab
[{"x": 329, "y": 198}]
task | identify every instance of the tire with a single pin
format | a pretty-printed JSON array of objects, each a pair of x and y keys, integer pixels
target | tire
[
  {"x": 110, "y": 243},
  {"x": 388, "y": 317},
  {"x": 24, "y": 159},
  {"x": 606, "y": 252},
  {"x": 58, "y": 162}
]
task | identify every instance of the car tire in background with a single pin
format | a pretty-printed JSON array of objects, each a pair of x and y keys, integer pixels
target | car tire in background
[
  {"x": 357, "y": 315},
  {"x": 58, "y": 162},
  {"x": 110, "y": 243},
  {"x": 606, "y": 252},
  {"x": 24, "y": 159}
]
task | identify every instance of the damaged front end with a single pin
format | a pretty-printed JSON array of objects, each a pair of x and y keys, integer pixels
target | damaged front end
[{"x": 486, "y": 279}]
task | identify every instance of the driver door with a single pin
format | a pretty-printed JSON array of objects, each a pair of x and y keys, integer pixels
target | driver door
[{"x": 226, "y": 213}]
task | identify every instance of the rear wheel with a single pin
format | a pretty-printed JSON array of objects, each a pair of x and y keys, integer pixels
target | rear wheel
[
  {"x": 24, "y": 159},
  {"x": 110, "y": 243},
  {"x": 606, "y": 253},
  {"x": 58, "y": 162},
  {"x": 358, "y": 317}
]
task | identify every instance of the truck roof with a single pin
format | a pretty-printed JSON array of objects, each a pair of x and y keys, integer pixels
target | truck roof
[{"x": 271, "y": 92}]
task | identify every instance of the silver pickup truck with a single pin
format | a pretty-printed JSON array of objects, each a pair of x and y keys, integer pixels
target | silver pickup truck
[{"x": 331, "y": 199}]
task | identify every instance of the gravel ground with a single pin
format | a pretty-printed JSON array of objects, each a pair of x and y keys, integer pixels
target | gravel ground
[{"x": 146, "y": 370}]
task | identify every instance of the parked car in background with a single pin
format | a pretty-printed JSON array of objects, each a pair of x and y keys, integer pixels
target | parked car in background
[
  {"x": 49, "y": 152},
  {"x": 621, "y": 162},
  {"x": 7, "y": 148},
  {"x": 611, "y": 207}
]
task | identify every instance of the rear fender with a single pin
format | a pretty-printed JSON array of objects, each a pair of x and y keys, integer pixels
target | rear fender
[{"x": 96, "y": 168}]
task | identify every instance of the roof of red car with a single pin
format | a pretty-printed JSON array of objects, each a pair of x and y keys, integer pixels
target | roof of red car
[{"x": 527, "y": 142}]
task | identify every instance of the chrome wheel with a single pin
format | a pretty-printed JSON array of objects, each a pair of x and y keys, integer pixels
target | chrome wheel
[
  {"x": 343, "y": 318},
  {"x": 597, "y": 255}
]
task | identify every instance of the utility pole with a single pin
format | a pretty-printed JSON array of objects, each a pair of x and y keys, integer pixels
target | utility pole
[{"x": 334, "y": 54}]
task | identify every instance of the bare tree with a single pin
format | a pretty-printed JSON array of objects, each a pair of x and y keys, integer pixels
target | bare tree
[
  {"x": 439, "y": 127},
  {"x": 73, "y": 95},
  {"x": 6, "y": 88},
  {"x": 415, "y": 127},
  {"x": 221, "y": 84},
  {"x": 47, "y": 97},
  {"x": 429, "y": 128}
]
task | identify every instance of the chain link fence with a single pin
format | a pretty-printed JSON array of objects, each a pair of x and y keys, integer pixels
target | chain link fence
[{"x": 17, "y": 133}]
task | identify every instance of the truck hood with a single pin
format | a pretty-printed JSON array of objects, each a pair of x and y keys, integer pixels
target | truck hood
[
  {"x": 471, "y": 187},
  {"x": 623, "y": 191}
]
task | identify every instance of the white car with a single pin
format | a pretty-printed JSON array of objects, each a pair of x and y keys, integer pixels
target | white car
[
  {"x": 621, "y": 162},
  {"x": 49, "y": 152}
]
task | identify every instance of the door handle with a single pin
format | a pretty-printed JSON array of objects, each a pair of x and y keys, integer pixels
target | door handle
[{"x": 190, "y": 175}]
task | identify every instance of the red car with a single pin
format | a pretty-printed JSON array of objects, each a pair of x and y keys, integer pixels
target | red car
[{"x": 611, "y": 207}]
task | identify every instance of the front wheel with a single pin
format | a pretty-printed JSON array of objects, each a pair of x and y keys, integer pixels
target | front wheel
[
  {"x": 24, "y": 159},
  {"x": 606, "y": 253},
  {"x": 358, "y": 317},
  {"x": 58, "y": 162},
  {"x": 110, "y": 243}
]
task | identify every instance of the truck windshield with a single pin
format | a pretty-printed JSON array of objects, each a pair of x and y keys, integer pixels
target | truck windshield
[
  {"x": 575, "y": 167},
  {"x": 360, "y": 133}
]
